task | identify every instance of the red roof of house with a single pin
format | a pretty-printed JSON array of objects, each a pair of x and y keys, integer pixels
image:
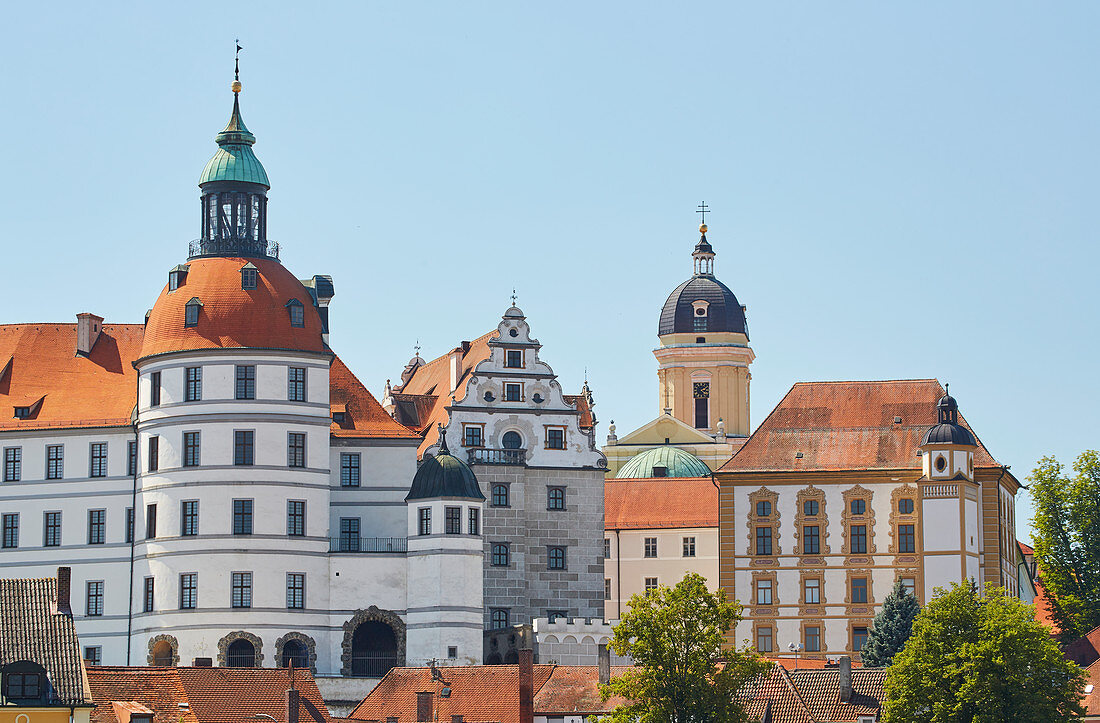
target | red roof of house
[
  {"x": 1091, "y": 699},
  {"x": 363, "y": 415},
  {"x": 575, "y": 688},
  {"x": 660, "y": 503},
  {"x": 847, "y": 425},
  {"x": 205, "y": 695},
  {"x": 1044, "y": 607}
]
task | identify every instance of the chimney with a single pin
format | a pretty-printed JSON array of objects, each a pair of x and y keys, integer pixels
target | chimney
[
  {"x": 292, "y": 705},
  {"x": 604, "y": 664},
  {"x": 526, "y": 686},
  {"x": 845, "y": 678},
  {"x": 455, "y": 363},
  {"x": 64, "y": 584},
  {"x": 88, "y": 327}
]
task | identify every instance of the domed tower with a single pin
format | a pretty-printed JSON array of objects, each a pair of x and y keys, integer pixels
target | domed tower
[
  {"x": 947, "y": 450},
  {"x": 704, "y": 357},
  {"x": 445, "y": 577}
]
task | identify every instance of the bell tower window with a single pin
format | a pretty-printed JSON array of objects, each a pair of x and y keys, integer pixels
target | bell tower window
[{"x": 701, "y": 392}]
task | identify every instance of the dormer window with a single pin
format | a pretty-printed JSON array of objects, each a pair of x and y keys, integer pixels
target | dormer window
[
  {"x": 339, "y": 417},
  {"x": 22, "y": 412},
  {"x": 177, "y": 277},
  {"x": 249, "y": 276},
  {"x": 191, "y": 312},
  {"x": 25, "y": 682},
  {"x": 700, "y": 323},
  {"x": 297, "y": 312}
]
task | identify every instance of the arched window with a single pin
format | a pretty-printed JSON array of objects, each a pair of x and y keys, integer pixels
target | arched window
[
  {"x": 241, "y": 654},
  {"x": 373, "y": 649},
  {"x": 498, "y": 619},
  {"x": 511, "y": 440},
  {"x": 295, "y": 653},
  {"x": 500, "y": 495},
  {"x": 163, "y": 653}
]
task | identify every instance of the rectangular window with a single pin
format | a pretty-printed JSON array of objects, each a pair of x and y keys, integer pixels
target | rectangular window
[
  {"x": 813, "y": 639},
  {"x": 154, "y": 389},
  {"x": 189, "y": 518},
  {"x": 763, "y": 592},
  {"x": 241, "y": 590},
  {"x": 97, "y": 527},
  {"x": 11, "y": 529},
  {"x": 296, "y": 449},
  {"x": 649, "y": 547},
  {"x": 650, "y": 584},
  {"x": 607, "y": 548},
  {"x": 500, "y": 495},
  {"x": 555, "y": 438},
  {"x": 192, "y": 390},
  {"x": 55, "y": 461},
  {"x": 13, "y": 464},
  {"x": 131, "y": 458},
  {"x": 689, "y": 547},
  {"x": 910, "y": 584},
  {"x": 244, "y": 444},
  {"x": 242, "y": 517},
  {"x": 859, "y": 590},
  {"x": 474, "y": 526},
  {"x": 424, "y": 521},
  {"x": 811, "y": 540},
  {"x": 500, "y": 554},
  {"x": 513, "y": 359},
  {"x": 246, "y": 382},
  {"x": 607, "y": 588},
  {"x": 857, "y": 540},
  {"x": 907, "y": 539},
  {"x": 859, "y": 638},
  {"x": 513, "y": 392},
  {"x": 811, "y": 591},
  {"x": 555, "y": 558},
  {"x": 498, "y": 618},
  {"x": 148, "y": 596},
  {"x": 555, "y": 498},
  {"x": 154, "y": 453},
  {"x": 295, "y": 590},
  {"x": 296, "y": 518},
  {"x": 191, "y": 449},
  {"x": 93, "y": 599},
  {"x": 189, "y": 591},
  {"x": 349, "y": 534},
  {"x": 93, "y": 654},
  {"x": 297, "y": 313},
  {"x": 248, "y": 278},
  {"x": 471, "y": 435},
  {"x": 97, "y": 466},
  {"x": 296, "y": 384},
  {"x": 349, "y": 469},
  {"x": 129, "y": 525},
  {"x": 763, "y": 540},
  {"x": 764, "y": 639},
  {"x": 51, "y": 525},
  {"x": 150, "y": 521}
]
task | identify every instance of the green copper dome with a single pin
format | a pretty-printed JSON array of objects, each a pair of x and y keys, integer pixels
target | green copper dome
[
  {"x": 675, "y": 461},
  {"x": 234, "y": 159},
  {"x": 444, "y": 475}
]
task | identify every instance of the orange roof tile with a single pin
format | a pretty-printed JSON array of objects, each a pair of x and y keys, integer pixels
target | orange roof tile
[
  {"x": 846, "y": 425},
  {"x": 580, "y": 401},
  {"x": 1025, "y": 548},
  {"x": 1044, "y": 607},
  {"x": 659, "y": 503},
  {"x": 573, "y": 689},
  {"x": 232, "y": 317},
  {"x": 363, "y": 415},
  {"x": 1091, "y": 700}
]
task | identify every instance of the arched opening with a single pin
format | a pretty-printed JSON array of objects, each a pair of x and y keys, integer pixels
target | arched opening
[
  {"x": 373, "y": 649},
  {"x": 240, "y": 654},
  {"x": 295, "y": 653},
  {"x": 494, "y": 659},
  {"x": 512, "y": 440},
  {"x": 163, "y": 655}
]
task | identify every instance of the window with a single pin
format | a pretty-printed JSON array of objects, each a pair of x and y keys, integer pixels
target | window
[
  {"x": 154, "y": 453},
  {"x": 513, "y": 392},
  {"x": 296, "y": 384},
  {"x": 857, "y": 539},
  {"x": 689, "y": 547},
  {"x": 513, "y": 359},
  {"x": 764, "y": 639},
  {"x": 23, "y": 686},
  {"x": 452, "y": 520},
  {"x": 555, "y": 438},
  {"x": 660, "y": 470},
  {"x": 474, "y": 521},
  {"x": 763, "y": 592},
  {"x": 607, "y": 548},
  {"x": 246, "y": 382},
  {"x": 22, "y": 412},
  {"x": 150, "y": 521},
  {"x": 93, "y": 654},
  {"x": 98, "y": 460},
  {"x": 55, "y": 461},
  {"x": 129, "y": 524},
  {"x": 500, "y": 554},
  {"x": 191, "y": 312},
  {"x": 192, "y": 390},
  {"x": 93, "y": 599},
  {"x": 97, "y": 527},
  {"x": 905, "y": 506},
  {"x": 242, "y": 517},
  {"x": 296, "y": 449},
  {"x": 907, "y": 540},
  {"x": 51, "y": 525},
  {"x": 296, "y": 518},
  {"x": 811, "y": 540},
  {"x": 297, "y": 312},
  {"x": 471, "y": 435},
  {"x": 763, "y": 540},
  {"x": 241, "y": 590},
  {"x": 11, "y": 529},
  {"x": 650, "y": 584},
  {"x": 910, "y": 584},
  {"x": 248, "y": 277},
  {"x": 555, "y": 558},
  {"x": 349, "y": 534},
  {"x": 295, "y": 590},
  {"x": 154, "y": 389},
  {"x": 810, "y": 508},
  {"x": 859, "y": 590},
  {"x": 811, "y": 591},
  {"x": 349, "y": 469},
  {"x": 498, "y": 618},
  {"x": 859, "y": 507},
  {"x": 189, "y": 518},
  {"x": 556, "y": 615},
  {"x": 191, "y": 448},
  {"x": 148, "y": 596},
  {"x": 500, "y": 495},
  {"x": 189, "y": 591},
  {"x": 701, "y": 392},
  {"x": 13, "y": 464},
  {"x": 511, "y": 440},
  {"x": 607, "y": 588},
  {"x": 452, "y": 652},
  {"x": 424, "y": 521},
  {"x": 763, "y": 508},
  {"x": 650, "y": 547},
  {"x": 555, "y": 498},
  {"x": 131, "y": 458},
  {"x": 813, "y": 639},
  {"x": 700, "y": 320},
  {"x": 244, "y": 443},
  {"x": 859, "y": 638}
]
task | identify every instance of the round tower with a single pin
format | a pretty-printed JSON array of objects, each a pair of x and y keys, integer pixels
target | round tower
[{"x": 947, "y": 450}]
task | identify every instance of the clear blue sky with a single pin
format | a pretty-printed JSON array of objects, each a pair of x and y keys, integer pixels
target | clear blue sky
[{"x": 898, "y": 190}]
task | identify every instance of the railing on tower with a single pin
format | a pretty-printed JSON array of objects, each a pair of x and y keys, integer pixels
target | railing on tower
[
  {"x": 355, "y": 543},
  {"x": 484, "y": 455},
  {"x": 232, "y": 247},
  {"x": 372, "y": 665}
]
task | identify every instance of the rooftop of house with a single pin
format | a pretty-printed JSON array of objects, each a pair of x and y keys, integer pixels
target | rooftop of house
[
  {"x": 660, "y": 503},
  {"x": 814, "y": 696}
]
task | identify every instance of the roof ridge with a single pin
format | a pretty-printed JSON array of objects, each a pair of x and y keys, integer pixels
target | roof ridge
[
  {"x": 865, "y": 381},
  {"x": 447, "y": 355},
  {"x": 798, "y": 695}
]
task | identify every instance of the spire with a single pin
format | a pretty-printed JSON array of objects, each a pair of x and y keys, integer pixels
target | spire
[
  {"x": 704, "y": 252},
  {"x": 235, "y": 131},
  {"x": 443, "y": 440}
]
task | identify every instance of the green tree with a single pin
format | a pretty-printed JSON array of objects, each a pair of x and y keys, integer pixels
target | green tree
[
  {"x": 681, "y": 674},
  {"x": 891, "y": 628},
  {"x": 1067, "y": 540},
  {"x": 980, "y": 659}
]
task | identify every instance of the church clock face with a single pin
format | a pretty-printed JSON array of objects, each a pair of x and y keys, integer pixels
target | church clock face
[{"x": 701, "y": 390}]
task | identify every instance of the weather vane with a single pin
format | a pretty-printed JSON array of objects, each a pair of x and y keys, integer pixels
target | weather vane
[
  {"x": 703, "y": 211},
  {"x": 416, "y": 348},
  {"x": 513, "y": 297},
  {"x": 237, "y": 61}
]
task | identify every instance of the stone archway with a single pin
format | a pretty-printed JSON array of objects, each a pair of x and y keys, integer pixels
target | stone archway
[
  {"x": 163, "y": 650},
  {"x": 308, "y": 642},
  {"x": 373, "y": 616},
  {"x": 230, "y": 638}
]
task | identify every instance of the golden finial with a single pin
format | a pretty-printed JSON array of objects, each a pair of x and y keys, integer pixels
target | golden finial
[
  {"x": 236, "y": 86},
  {"x": 702, "y": 228}
]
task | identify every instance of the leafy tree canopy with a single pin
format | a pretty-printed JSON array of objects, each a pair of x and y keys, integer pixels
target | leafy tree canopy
[
  {"x": 1067, "y": 540},
  {"x": 975, "y": 659},
  {"x": 891, "y": 628},
  {"x": 681, "y": 674}
]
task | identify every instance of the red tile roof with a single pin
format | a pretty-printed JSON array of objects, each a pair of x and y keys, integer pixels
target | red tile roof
[
  {"x": 232, "y": 317},
  {"x": 846, "y": 425},
  {"x": 363, "y": 415},
  {"x": 572, "y": 689},
  {"x": 1091, "y": 699},
  {"x": 660, "y": 503},
  {"x": 1044, "y": 607},
  {"x": 209, "y": 695},
  {"x": 813, "y": 696},
  {"x": 1085, "y": 650}
]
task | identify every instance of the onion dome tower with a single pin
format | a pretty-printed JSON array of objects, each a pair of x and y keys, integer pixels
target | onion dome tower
[
  {"x": 704, "y": 357},
  {"x": 947, "y": 450},
  {"x": 445, "y": 575}
]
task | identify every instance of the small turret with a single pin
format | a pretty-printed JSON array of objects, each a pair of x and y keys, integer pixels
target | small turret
[{"x": 947, "y": 449}]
